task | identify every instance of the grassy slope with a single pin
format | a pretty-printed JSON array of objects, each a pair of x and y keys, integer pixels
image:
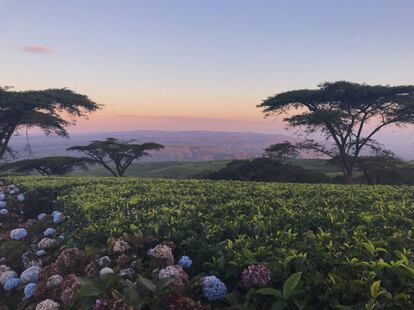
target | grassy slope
[
  {"x": 185, "y": 169},
  {"x": 161, "y": 169}
]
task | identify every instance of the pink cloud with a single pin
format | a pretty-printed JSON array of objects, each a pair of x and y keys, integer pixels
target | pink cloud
[{"x": 39, "y": 49}]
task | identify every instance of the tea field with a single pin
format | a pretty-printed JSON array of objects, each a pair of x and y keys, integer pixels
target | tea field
[{"x": 326, "y": 246}]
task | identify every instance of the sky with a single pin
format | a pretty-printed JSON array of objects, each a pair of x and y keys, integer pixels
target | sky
[{"x": 200, "y": 65}]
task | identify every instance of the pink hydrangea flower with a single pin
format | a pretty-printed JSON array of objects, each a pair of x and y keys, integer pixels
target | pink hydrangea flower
[
  {"x": 163, "y": 252},
  {"x": 176, "y": 272},
  {"x": 256, "y": 276}
]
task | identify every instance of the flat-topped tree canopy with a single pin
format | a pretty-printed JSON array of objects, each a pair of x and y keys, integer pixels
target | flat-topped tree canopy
[
  {"x": 120, "y": 152},
  {"x": 54, "y": 165},
  {"x": 52, "y": 110},
  {"x": 340, "y": 111}
]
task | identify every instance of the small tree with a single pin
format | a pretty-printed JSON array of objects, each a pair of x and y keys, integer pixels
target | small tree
[
  {"x": 340, "y": 111},
  {"x": 381, "y": 166},
  {"x": 281, "y": 151},
  {"x": 120, "y": 152},
  {"x": 58, "y": 165},
  {"x": 45, "y": 109}
]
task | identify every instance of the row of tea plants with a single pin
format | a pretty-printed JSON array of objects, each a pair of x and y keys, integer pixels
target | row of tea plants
[{"x": 265, "y": 246}]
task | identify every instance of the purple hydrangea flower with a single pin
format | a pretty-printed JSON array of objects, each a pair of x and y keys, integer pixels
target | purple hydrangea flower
[
  {"x": 3, "y": 204},
  {"x": 30, "y": 274},
  {"x": 29, "y": 290},
  {"x": 11, "y": 284},
  {"x": 40, "y": 252},
  {"x": 185, "y": 262},
  {"x": 213, "y": 288},
  {"x": 41, "y": 216},
  {"x": 49, "y": 232},
  {"x": 57, "y": 217},
  {"x": 256, "y": 276},
  {"x": 20, "y": 197},
  {"x": 4, "y": 212},
  {"x": 18, "y": 233}
]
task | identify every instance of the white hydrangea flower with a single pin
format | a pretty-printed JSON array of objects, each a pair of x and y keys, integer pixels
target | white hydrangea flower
[
  {"x": 47, "y": 304},
  {"x": 105, "y": 271},
  {"x": 46, "y": 243},
  {"x": 20, "y": 197}
]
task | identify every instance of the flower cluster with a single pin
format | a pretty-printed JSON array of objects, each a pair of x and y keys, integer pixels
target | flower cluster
[
  {"x": 49, "y": 232},
  {"x": 54, "y": 281},
  {"x": 70, "y": 287},
  {"x": 256, "y": 276},
  {"x": 162, "y": 252},
  {"x": 20, "y": 197},
  {"x": 6, "y": 275},
  {"x": 11, "y": 284},
  {"x": 47, "y": 304},
  {"x": 175, "y": 272},
  {"x": 29, "y": 290},
  {"x": 213, "y": 288},
  {"x": 18, "y": 233},
  {"x": 46, "y": 243},
  {"x": 57, "y": 217},
  {"x": 185, "y": 262},
  {"x": 30, "y": 274},
  {"x": 70, "y": 257},
  {"x": 121, "y": 246}
]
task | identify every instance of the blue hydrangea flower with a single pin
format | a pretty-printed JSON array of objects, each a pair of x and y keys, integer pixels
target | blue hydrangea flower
[
  {"x": 4, "y": 212},
  {"x": 49, "y": 232},
  {"x": 2, "y": 196},
  {"x": 20, "y": 197},
  {"x": 185, "y": 262},
  {"x": 57, "y": 217},
  {"x": 61, "y": 237},
  {"x": 40, "y": 252},
  {"x": 54, "y": 212},
  {"x": 11, "y": 284},
  {"x": 30, "y": 274},
  {"x": 213, "y": 288},
  {"x": 41, "y": 216},
  {"x": 29, "y": 290},
  {"x": 18, "y": 233},
  {"x": 3, "y": 204}
]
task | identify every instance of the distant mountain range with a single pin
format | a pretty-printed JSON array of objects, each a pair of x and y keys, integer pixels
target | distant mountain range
[
  {"x": 179, "y": 145},
  {"x": 188, "y": 145}
]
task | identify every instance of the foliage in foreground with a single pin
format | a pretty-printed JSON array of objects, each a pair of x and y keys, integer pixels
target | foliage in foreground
[{"x": 351, "y": 245}]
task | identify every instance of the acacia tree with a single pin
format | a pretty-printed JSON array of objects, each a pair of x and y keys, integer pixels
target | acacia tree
[
  {"x": 51, "y": 110},
  {"x": 57, "y": 165},
  {"x": 120, "y": 152},
  {"x": 341, "y": 111},
  {"x": 281, "y": 151}
]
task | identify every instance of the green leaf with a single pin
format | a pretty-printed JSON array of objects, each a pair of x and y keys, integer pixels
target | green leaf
[
  {"x": 88, "y": 289},
  {"x": 375, "y": 289},
  {"x": 163, "y": 283},
  {"x": 147, "y": 283},
  {"x": 270, "y": 291},
  {"x": 279, "y": 305},
  {"x": 291, "y": 283}
]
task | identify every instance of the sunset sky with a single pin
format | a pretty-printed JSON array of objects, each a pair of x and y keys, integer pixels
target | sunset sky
[{"x": 196, "y": 65}]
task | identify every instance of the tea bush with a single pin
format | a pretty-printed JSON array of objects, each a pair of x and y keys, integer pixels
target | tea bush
[{"x": 335, "y": 246}]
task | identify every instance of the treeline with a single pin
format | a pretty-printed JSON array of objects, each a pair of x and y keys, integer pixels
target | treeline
[{"x": 380, "y": 167}]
